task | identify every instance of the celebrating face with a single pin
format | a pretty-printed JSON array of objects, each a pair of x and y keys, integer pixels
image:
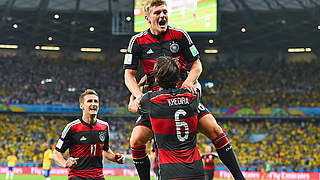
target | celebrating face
[
  {"x": 158, "y": 19},
  {"x": 90, "y": 105}
]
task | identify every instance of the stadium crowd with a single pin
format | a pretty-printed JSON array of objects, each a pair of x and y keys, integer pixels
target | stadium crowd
[
  {"x": 263, "y": 84},
  {"x": 40, "y": 80},
  {"x": 285, "y": 144}
]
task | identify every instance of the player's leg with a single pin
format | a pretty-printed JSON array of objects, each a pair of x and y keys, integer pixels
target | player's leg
[
  {"x": 8, "y": 172},
  {"x": 210, "y": 174},
  {"x": 12, "y": 173},
  {"x": 209, "y": 127},
  {"x": 140, "y": 135},
  {"x": 46, "y": 174}
]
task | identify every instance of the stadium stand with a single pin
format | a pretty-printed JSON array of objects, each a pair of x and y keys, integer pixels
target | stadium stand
[{"x": 282, "y": 143}]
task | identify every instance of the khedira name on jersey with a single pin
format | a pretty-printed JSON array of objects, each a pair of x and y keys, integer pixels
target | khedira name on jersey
[{"x": 178, "y": 101}]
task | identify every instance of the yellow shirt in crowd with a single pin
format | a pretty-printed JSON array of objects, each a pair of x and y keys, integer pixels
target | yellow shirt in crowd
[
  {"x": 12, "y": 159},
  {"x": 47, "y": 159}
]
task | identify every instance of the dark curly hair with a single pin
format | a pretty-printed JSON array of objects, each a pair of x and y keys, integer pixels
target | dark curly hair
[{"x": 167, "y": 72}]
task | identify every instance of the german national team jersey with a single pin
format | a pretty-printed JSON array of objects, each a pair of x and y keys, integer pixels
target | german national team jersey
[
  {"x": 146, "y": 47},
  {"x": 174, "y": 119},
  {"x": 47, "y": 157},
  {"x": 209, "y": 160},
  {"x": 86, "y": 142}
]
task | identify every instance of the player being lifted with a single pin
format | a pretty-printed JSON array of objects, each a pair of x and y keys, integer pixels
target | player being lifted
[{"x": 145, "y": 47}]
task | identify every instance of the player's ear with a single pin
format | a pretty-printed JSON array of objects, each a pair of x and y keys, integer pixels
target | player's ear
[
  {"x": 147, "y": 19},
  {"x": 81, "y": 106}
]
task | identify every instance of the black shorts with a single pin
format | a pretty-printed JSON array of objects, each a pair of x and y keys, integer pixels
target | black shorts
[{"x": 144, "y": 118}]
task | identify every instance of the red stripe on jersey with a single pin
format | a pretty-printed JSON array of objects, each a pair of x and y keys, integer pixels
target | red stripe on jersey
[
  {"x": 90, "y": 173},
  {"x": 165, "y": 126},
  {"x": 81, "y": 127},
  {"x": 171, "y": 34},
  {"x": 146, "y": 39},
  {"x": 181, "y": 156},
  {"x": 148, "y": 65},
  {"x": 164, "y": 98},
  {"x": 86, "y": 150}
]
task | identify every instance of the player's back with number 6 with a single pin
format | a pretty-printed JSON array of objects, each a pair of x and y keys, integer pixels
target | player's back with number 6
[{"x": 173, "y": 114}]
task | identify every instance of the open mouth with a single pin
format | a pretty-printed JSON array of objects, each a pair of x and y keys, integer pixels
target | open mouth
[
  {"x": 162, "y": 23},
  {"x": 93, "y": 108}
]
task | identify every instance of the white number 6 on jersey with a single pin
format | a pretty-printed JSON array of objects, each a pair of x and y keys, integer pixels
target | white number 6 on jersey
[{"x": 179, "y": 124}]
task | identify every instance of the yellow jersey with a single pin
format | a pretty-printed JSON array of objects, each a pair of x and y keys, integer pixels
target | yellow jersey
[
  {"x": 47, "y": 157},
  {"x": 12, "y": 159}
]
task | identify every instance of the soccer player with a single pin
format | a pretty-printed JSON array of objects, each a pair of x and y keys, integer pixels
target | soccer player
[
  {"x": 209, "y": 158},
  {"x": 173, "y": 114},
  {"x": 12, "y": 159},
  {"x": 145, "y": 47},
  {"x": 87, "y": 139},
  {"x": 154, "y": 155},
  {"x": 46, "y": 164}
]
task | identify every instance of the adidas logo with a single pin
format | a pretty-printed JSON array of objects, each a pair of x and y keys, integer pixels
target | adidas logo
[
  {"x": 150, "y": 51},
  {"x": 83, "y": 138}
]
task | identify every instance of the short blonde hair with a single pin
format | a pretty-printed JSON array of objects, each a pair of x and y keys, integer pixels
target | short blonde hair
[
  {"x": 86, "y": 92},
  {"x": 151, "y": 3}
]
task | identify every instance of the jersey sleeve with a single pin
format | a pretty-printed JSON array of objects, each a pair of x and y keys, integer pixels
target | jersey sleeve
[
  {"x": 64, "y": 141},
  {"x": 190, "y": 51},
  {"x": 144, "y": 102},
  {"x": 106, "y": 141},
  {"x": 132, "y": 57}
]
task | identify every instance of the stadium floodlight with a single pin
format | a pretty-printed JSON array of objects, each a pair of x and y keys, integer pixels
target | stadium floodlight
[
  {"x": 50, "y": 38},
  {"x": 123, "y": 50},
  {"x": 50, "y": 48},
  {"x": 243, "y": 29},
  {"x": 211, "y": 41},
  {"x": 56, "y": 16},
  {"x": 299, "y": 50},
  {"x": 15, "y": 26},
  {"x": 319, "y": 27},
  {"x": 90, "y": 49},
  {"x": 211, "y": 51},
  {"x": 128, "y": 18},
  {"x": 91, "y": 29},
  {"x": 9, "y": 46},
  {"x": 37, "y": 47},
  {"x": 308, "y": 49}
]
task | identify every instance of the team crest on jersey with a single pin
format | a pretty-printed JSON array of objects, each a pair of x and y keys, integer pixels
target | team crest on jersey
[
  {"x": 174, "y": 47},
  {"x": 102, "y": 136}
]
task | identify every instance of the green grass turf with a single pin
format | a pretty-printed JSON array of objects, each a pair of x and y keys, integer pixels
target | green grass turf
[
  {"x": 188, "y": 23},
  {"x": 36, "y": 177}
]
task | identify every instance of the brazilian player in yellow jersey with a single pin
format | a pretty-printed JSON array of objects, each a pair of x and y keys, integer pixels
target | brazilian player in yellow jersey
[
  {"x": 12, "y": 159},
  {"x": 47, "y": 157}
]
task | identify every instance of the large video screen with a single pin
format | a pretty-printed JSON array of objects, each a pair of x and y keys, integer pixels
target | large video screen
[{"x": 189, "y": 15}]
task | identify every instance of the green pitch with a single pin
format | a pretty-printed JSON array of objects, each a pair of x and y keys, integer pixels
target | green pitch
[{"x": 206, "y": 15}]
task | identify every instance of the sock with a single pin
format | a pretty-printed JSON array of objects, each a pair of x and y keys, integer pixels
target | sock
[
  {"x": 47, "y": 178},
  {"x": 141, "y": 161},
  {"x": 7, "y": 175},
  {"x": 227, "y": 156},
  {"x": 12, "y": 175}
]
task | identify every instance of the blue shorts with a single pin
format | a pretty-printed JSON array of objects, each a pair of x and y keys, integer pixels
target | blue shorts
[
  {"x": 10, "y": 168},
  {"x": 46, "y": 172}
]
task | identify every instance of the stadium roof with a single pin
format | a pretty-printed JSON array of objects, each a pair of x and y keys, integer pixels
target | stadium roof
[{"x": 268, "y": 23}]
